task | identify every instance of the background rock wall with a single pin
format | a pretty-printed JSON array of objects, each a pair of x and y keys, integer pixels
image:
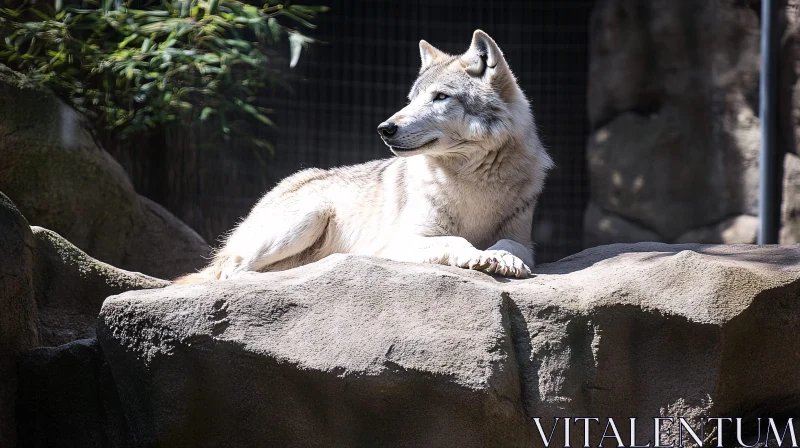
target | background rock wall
[
  {"x": 55, "y": 171},
  {"x": 673, "y": 105}
]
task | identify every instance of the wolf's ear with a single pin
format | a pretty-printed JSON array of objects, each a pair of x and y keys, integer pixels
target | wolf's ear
[
  {"x": 483, "y": 56},
  {"x": 428, "y": 53}
]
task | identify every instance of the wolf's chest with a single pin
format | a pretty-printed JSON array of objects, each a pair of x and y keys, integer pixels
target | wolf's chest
[{"x": 477, "y": 221}]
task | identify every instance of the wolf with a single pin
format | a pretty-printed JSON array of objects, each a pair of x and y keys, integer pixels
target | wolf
[{"x": 461, "y": 191}]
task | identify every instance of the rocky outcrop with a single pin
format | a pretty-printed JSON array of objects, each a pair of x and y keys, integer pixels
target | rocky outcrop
[
  {"x": 54, "y": 170},
  {"x": 417, "y": 356},
  {"x": 71, "y": 287},
  {"x": 359, "y": 351},
  {"x": 673, "y": 105},
  {"x": 17, "y": 308},
  {"x": 50, "y": 294},
  {"x": 67, "y": 397},
  {"x": 651, "y": 329}
]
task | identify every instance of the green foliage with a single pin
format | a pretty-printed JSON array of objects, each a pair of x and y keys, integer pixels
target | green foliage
[{"x": 149, "y": 67}]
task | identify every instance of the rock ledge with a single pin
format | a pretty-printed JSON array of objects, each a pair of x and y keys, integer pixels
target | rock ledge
[{"x": 360, "y": 351}]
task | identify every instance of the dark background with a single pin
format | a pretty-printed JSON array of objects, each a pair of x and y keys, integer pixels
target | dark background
[{"x": 343, "y": 88}]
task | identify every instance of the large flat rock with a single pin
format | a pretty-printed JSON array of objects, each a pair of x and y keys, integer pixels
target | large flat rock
[
  {"x": 351, "y": 351},
  {"x": 359, "y": 351}
]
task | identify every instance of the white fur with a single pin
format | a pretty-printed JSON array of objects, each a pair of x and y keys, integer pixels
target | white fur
[{"x": 465, "y": 200}]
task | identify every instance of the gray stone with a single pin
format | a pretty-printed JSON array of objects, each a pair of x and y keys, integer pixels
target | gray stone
[
  {"x": 316, "y": 356},
  {"x": 50, "y": 293},
  {"x": 790, "y": 231},
  {"x": 672, "y": 99},
  {"x": 71, "y": 287},
  {"x": 67, "y": 397},
  {"x": 17, "y": 308},
  {"x": 360, "y": 351},
  {"x": 603, "y": 228},
  {"x": 789, "y": 76},
  {"x": 742, "y": 229},
  {"x": 54, "y": 170},
  {"x": 649, "y": 329},
  {"x": 645, "y": 170}
]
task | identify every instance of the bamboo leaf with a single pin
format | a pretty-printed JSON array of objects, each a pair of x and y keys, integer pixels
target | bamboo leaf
[
  {"x": 213, "y": 5},
  {"x": 209, "y": 56},
  {"x": 207, "y": 111},
  {"x": 127, "y": 40}
]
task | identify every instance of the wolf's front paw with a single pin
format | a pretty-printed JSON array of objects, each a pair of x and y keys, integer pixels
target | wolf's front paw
[{"x": 498, "y": 262}]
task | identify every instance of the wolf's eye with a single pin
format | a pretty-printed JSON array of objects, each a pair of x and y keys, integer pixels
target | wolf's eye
[{"x": 440, "y": 96}]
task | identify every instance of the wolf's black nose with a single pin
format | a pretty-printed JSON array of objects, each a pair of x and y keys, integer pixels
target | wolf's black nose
[{"x": 387, "y": 129}]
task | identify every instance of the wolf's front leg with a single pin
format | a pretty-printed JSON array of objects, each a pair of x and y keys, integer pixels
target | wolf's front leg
[{"x": 456, "y": 251}]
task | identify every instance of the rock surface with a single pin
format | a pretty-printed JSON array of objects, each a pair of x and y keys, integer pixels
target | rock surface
[
  {"x": 50, "y": 294},
  {"x": 359, "y": 351},
  {"x": 600, "y": 227},
  {"x": 53, "y": 169},
  {"x": 17, "y": 308},
  {"x": 673, "y": 107},
  {"x": 790, "y": 232},
  {"x": 71, "y": 287},
  {"x": 652, "y": 329},
  {"x": 742, "y": 229},
  {"x": 318, "y": 357},
  {"x": 67, "y": 397}
]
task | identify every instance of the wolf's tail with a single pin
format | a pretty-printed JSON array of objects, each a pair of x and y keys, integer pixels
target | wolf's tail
[{"x": 210, "y": 272}]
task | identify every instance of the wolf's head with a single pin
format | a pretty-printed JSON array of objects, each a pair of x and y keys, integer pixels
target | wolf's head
[{"x": 459, "y": 104}]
